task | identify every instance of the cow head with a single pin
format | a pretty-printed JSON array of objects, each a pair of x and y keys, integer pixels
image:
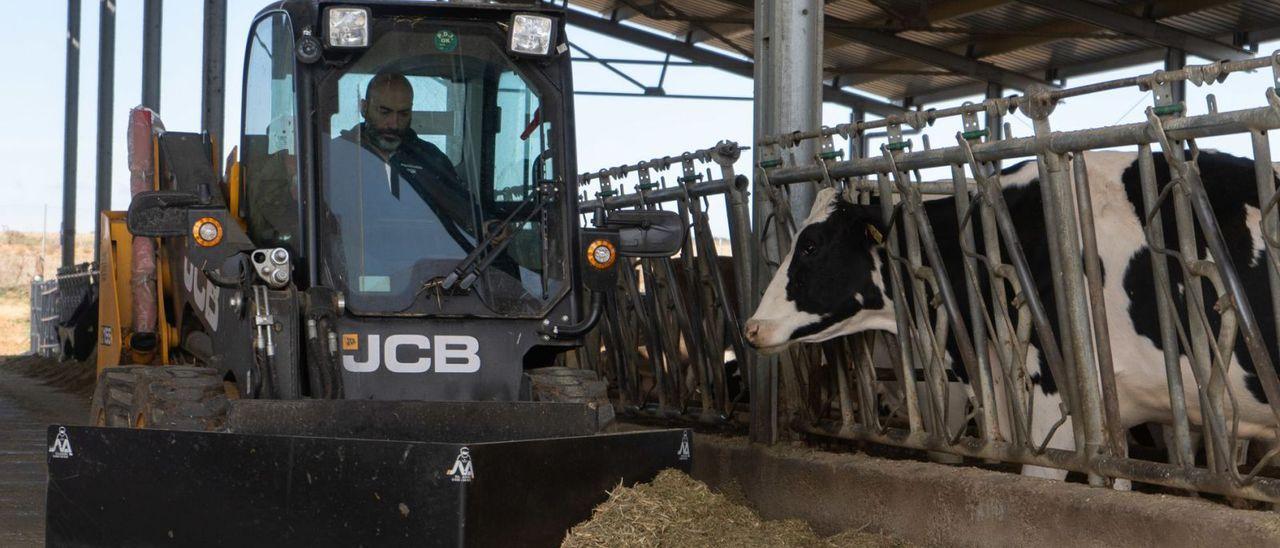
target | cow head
[{"x": 831, "y": 281}]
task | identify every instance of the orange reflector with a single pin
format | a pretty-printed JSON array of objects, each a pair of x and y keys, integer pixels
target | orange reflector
[
  {"x": 207, "y": 232},
  {"x": 601, "y": 254}
]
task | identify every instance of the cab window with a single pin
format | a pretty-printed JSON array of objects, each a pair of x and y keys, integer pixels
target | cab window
[{"x": 269, "y": 142}]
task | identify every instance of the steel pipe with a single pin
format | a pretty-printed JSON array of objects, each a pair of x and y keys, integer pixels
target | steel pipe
[
  {"x": 1191, "y": 127},
  {"x": 106, "y": 107},
  {"x": 1197, "y": 73},
  {"x": 71, "y": 123},
  {"x": 668, "y": 194}
]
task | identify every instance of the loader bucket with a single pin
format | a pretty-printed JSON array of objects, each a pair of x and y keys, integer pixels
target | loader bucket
[{"x": 349, "y": 474}]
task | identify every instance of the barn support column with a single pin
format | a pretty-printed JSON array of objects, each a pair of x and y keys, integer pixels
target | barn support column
[
  {"x": 1176, "y": 59},
  {"x": 788, "y": 97},
  {"x": 213, "y": 91},
  {"x": 151, "y": 26},
  {"x": 858, "y": 142},
  {"x": 995, "y": 122},
  {"x": 106, "y": 107},
  {"x": 762, "y": 381},
  {"x": 793, "y": 99},
  {"x": 71, "y": 123}
]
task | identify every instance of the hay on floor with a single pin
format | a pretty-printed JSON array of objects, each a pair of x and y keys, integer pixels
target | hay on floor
[{"x": 676, "y": 510}]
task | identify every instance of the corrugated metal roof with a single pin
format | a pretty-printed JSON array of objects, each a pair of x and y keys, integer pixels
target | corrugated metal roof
[{"x": 1006, "y": 34}]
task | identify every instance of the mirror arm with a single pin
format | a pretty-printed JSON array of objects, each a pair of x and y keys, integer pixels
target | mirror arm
[{"x": 561, "y": 331}]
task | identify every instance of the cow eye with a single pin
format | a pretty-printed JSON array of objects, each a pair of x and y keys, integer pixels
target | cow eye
[{"x": 808, "y": 249}]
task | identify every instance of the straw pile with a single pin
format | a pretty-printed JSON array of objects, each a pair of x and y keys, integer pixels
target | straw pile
[{"x": 676, "y": 510}]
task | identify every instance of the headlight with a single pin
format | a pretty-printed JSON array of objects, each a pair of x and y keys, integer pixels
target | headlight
[
  {"x": 532, "y": 34},
  {"x": 347, "y": 27}
]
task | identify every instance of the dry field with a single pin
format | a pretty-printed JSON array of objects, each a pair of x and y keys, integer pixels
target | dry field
[{"x": 20, "y": 261}]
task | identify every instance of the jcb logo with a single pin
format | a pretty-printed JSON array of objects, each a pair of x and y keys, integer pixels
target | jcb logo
[
  {"x": 412, "y": 353},
  {"x": 204, "y": 295}
]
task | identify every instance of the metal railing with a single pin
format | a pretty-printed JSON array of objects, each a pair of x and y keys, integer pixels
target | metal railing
[
  {"x": 54, "y": 303},
  {"x": 44, "y": 317},
  {"x": 985, "y": 325},
  {"x": 665, "y": 333}
]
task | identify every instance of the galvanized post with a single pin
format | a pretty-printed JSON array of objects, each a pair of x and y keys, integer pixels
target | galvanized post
[
  {"x": 106, "y": 106},
  {"x": 857, "y": 139},
  {"x": 213, "y": 91},
  {"x": 1266, "y": 176},
  {"x": 1176, "y": 59},
  {"x": 1072, "y": 304},
  {"x": 995, "y": 121},
  {"x": 763, "y": 381},
  {"x": 928, "y": 356},
  {"x": 986, "y": 393},
  {"x": 1198, "y": 324},
  {"x": 902, "y": 315},
  {"x": 33, "y": 324},
  {"x": 1098, "y": 307},
  {"x": 71, "y": 123},
  {"x": 1010, "y": 350},
  {"x": 152, "y": 17},
  {"x": 1165, "y": 309},
  {"x": 795, "y": 93}
]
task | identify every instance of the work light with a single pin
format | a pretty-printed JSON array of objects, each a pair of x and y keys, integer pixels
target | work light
[
  {"x": 531, "y": 34},
  {"x": 348, "y": 27}
]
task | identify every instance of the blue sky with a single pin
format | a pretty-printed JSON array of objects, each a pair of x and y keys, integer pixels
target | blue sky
[{"x": 610, "y": 130}]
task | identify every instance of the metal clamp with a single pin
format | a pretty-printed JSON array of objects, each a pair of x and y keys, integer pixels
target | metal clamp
[
  {"x": 1162, "y": 92},
  {"x": 896, "y": 142},
  {"x": 771, "y": 158},
  {"x": 645, "y": 181},
  {"x": 972, "y": 131},
  {"x": 688, "y": 172}
]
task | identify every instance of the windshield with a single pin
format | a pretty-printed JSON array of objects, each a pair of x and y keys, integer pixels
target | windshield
[{"x": 430, "y": 139}]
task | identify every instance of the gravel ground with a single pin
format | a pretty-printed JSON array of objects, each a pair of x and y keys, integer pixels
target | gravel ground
[{"x": 33, "y": 395}]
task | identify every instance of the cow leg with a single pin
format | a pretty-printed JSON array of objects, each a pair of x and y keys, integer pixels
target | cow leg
[{"x": 1044, "y": 414}]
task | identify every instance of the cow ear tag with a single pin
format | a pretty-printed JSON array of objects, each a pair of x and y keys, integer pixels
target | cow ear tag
[{"x": 874, "y": 234}]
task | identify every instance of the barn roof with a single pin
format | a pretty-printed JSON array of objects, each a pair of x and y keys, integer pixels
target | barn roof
[{"x": 914, "y": 52}]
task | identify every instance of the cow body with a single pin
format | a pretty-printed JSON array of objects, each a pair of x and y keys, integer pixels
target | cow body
[{"x": 833, "y": 282}]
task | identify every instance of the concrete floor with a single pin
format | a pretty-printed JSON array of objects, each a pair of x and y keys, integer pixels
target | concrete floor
[{"x": 27, "y": 408}]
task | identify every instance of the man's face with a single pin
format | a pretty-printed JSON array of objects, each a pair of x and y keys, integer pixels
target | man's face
[{"x": 387, "y": 113}]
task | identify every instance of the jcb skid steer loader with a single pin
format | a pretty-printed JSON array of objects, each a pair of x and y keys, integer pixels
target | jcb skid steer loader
[{"x": 350, "y": 338}]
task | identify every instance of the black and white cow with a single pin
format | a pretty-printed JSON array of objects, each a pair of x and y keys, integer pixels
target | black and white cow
[{"x": 833, "y": 283}]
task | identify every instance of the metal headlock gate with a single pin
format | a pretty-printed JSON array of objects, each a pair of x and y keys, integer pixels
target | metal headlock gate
[
  {"x": 898, "y": 391},
  {"x": 1078, "y": 352},
  {"x": 44, "y": 317},
  {"x": 666, "y": 330},
  {"x": 55, "y": 302}
]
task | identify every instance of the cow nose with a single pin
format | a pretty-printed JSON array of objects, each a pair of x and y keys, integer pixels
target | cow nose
[{"x": 752, "y": 331}]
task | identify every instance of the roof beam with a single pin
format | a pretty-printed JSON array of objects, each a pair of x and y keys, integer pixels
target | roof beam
[
  {"x": 929, "y": 55},
  {"x": 956, "y": 63},
  {"x": 1146, "y": 29},
  {"x": 699, "y": 31},
  {"x": 1052, "y": 32},
  {"x": 622, "y": 10},
  {"x": 714, "y": 59},
  {"x": 1126, "y": 60},
  {"x": 942, "y": 11}
]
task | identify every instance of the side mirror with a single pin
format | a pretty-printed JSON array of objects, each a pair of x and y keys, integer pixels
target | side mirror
[
  {"x": 647, "y": 233},
  {"x": 161, "y": 213}
]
